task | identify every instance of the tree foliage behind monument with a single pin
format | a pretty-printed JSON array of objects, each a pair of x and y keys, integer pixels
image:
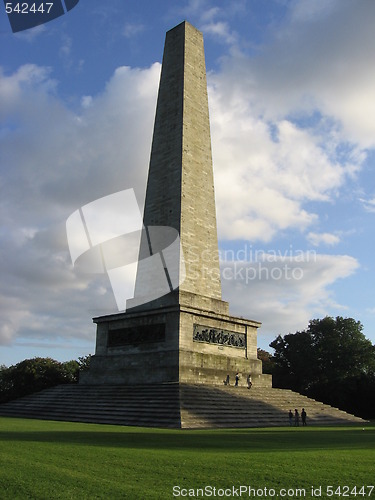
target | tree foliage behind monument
[
  {"x": 34, "y": 375},
  {"x": 331, "y": 361}
]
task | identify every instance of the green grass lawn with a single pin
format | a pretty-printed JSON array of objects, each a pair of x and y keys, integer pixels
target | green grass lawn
[{"x": 61, "y": 460}]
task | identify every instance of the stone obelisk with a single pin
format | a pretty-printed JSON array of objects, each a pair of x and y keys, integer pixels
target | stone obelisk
[
  {"x": 180, "y": 189},
  {"x": 177, "y": 328}
]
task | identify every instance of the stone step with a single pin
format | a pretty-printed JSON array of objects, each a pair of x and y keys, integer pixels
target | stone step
[{"x": 173, "y": 405}]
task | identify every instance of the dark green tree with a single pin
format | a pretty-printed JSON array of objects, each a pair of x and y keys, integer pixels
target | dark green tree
[
  {"x": 294, "y": 361},
  {"x": 267, "y": 360},
  {"x": 33, "y": 375},
  {"x": 331, "y": 360}
]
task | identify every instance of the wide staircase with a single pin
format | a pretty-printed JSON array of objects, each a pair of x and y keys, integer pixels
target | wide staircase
[
  {"x": 173, "y": 405},
  {"x": 257, "y": 407}
]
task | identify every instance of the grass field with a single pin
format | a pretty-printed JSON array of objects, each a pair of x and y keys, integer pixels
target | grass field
[{"x": 61, "y": 460}]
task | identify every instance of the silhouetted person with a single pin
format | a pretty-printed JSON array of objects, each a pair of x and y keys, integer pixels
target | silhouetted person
[
  {"x": 290, "y": 418},
  {"x": 237, "y": 379},
  {"x": 249, "y": 382},
  {"x": 226, "y": 381},
  {"x": 303, "y": 416},
  {"x": 296, "y": 418}
]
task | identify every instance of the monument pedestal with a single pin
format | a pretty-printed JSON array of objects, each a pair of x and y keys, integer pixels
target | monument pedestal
[{"x": 175, "y": 343}]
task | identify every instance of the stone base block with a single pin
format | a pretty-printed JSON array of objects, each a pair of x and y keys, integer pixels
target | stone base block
[
  {"x": 132, "y": 369},
  {"x": 179, "y": 343},
  {"x": 212, "y": 369}
]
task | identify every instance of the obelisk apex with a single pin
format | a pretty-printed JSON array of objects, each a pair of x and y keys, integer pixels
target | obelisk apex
[{"x": 180, "y": 188}]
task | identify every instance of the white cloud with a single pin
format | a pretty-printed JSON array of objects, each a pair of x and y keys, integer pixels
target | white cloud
[
  {"x": 194, "y": 7},
  {"x": 307, "y": 11},
  {"x": 11, "y": 87},
  {"x": 221, "y": 30},
  {"x": 207, "y": 10},
  {"x": 213, "y": 20},
  {"x": 326, "y": 238},
  {"x": 285, "y": 293},
  {"x": 321, "y": 59},
  {"x": 86, "y": 101},
  {"x": 54, "y": 160},
  {"x": 292, "y": 123},
  {"x": 209, "y": 15},
  {"x": 369, "y": 205},
  {"x": 31, "y": 34},
  {"x": 66, "y": 46},
  {"x": 130, "y": 30},
  {"x": 266, "y": 172}
]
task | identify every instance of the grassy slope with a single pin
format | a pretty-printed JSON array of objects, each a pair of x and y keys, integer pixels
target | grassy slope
[{"x": 43, "y": 460}]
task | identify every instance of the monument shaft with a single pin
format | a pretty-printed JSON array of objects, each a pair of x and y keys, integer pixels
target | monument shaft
[{"x": 180, "y": 188}]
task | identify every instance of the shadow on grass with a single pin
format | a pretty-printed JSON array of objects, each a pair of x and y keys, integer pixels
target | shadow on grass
[{"x": 272, "y": 440}]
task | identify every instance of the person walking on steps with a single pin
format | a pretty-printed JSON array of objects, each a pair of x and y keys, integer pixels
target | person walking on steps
[
  {"x": 237, "y": 379},
  {"x": 303, "y": 416}
]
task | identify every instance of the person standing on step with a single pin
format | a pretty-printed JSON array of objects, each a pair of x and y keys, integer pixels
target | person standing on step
[
  {"x": 290, "y": 418},
  {"x": 226, "y": 381},
  {"x": 237, "y": 379},
  {"x": 303, "y": 416},
  {"x": 249, "y": 382},
  {"x": 296, "y": 418}
]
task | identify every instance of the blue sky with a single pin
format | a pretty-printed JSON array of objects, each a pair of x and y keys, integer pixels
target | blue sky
[{"x": 292, "y": 109}]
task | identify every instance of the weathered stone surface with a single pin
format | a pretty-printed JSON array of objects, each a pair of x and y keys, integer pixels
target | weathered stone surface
[
  {"x": 180, "y": 188},
  {"x": 177, "y": 357}
]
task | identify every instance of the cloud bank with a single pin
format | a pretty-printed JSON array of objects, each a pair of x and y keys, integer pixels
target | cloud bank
[{"x": 291, "y": 128}]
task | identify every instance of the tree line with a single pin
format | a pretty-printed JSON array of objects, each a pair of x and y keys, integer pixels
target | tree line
[
  {"x": 331, "y": 361},
  {"x": 34, "y": 375}
]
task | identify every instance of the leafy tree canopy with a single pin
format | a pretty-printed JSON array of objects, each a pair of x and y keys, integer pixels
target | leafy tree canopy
[
  {"x": 267, "y": 360},
  {"x": 329, "y": 350},
  {"x": 33, "y": 375}
]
